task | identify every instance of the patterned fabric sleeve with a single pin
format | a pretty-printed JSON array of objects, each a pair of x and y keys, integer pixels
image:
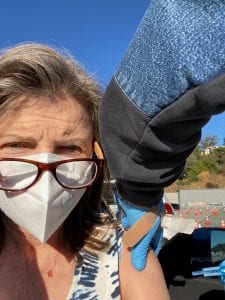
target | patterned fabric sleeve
[{"x": 97, "y": 275}]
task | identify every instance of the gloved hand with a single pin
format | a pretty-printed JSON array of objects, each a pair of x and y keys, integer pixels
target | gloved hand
[{"x": 131, "y": 215}]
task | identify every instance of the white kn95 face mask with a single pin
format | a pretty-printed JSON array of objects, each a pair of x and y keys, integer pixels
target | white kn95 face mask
[{"x": 43, "y": 207}]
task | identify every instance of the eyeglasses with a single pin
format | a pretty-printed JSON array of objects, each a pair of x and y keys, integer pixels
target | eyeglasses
[{"x": 18, "y": 174}]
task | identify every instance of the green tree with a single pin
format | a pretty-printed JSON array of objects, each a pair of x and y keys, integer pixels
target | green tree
[
  {"x": 208, "y": 141},
  {"x": 220, "y": 155},
  {"x": 197, "y": 163},
  {"x": 189, "y": 163}
]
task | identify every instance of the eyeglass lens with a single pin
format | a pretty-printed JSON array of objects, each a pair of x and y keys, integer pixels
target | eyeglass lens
[
  {"x": 16, "y": 175},
  {"x": 77, "y": 173}
]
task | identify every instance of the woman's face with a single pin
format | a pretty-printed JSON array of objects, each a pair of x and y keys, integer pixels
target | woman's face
[{"x": 59, "y": 127}]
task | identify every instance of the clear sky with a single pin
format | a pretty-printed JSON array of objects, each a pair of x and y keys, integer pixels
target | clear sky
[{"x": 96, "y": 32}]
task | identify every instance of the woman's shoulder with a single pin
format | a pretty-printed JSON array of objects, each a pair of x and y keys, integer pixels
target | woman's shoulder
[{"x": 97, "y": 275}]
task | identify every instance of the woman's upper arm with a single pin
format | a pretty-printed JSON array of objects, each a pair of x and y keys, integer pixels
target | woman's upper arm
[{"x": 142, "y": 285}]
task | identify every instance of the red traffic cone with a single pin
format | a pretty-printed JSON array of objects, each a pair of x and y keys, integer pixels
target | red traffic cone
[
  {"x": 196, "y": 224},
  {"x": 187, "y": 211},
  {"x": 207, "y": 222},
  {"x": 222, "y": 225}
]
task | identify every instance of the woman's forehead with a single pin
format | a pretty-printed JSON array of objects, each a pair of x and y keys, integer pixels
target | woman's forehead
[
  {"x": 66, "y": 105},
  {"x": 63, "y": 112}
]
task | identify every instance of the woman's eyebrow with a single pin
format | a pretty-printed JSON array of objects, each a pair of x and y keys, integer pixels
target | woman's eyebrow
[
  {"x": 73, "y": 141},
  {"x": 18, "y": 136}
]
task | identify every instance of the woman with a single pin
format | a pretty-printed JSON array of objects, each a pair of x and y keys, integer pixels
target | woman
[{"x": 54, "y": 242}]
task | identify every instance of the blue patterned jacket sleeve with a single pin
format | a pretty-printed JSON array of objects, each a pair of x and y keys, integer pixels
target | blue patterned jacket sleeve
[{"x": 169, "y": 83}]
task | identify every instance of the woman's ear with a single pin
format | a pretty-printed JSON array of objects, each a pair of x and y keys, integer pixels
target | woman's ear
[{"x": 98, "y": 150}]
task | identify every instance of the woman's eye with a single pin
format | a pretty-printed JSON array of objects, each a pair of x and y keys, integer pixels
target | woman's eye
[
  {"x": 19, "y": 145},
  {"x": 69, "y": 148},
  {"x": 15, "y": 148},
  {"x": 73, "y": 147},
  {"x": 15, "y": 145}
]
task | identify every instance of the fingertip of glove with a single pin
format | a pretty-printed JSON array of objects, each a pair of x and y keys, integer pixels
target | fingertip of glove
[
  {"x": 139, "y": 262},
  {"x": 139, "y": 265}
]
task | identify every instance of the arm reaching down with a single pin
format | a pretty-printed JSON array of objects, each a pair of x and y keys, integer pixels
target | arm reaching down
[{"x": 169, "y": 83}]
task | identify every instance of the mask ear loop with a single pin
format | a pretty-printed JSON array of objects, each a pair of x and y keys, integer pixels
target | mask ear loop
[{"x": 98, "y": 151}]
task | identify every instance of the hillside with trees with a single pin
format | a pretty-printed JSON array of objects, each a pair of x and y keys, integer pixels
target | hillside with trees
[{"x": 205, "y": 168}]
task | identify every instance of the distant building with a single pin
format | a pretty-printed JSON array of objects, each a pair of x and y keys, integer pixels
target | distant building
[
  {"x": 171, "y": 198},
  {"x": 210, "y": 149}
]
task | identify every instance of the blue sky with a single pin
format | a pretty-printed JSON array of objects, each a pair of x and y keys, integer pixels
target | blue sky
[{"x": 96, "y": 32}]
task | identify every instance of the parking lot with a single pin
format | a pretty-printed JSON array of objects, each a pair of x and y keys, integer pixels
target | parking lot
[{"x": 204, "y": 216}]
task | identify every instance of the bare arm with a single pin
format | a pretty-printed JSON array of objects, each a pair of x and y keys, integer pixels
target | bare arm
[{"x": 146, "y": 284}]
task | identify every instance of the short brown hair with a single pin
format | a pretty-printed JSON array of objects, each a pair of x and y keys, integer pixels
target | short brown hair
[{"x": 37, "y": 70}]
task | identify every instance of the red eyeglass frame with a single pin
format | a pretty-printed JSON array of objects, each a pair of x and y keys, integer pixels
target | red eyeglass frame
[{"x": 52, "y": 168}]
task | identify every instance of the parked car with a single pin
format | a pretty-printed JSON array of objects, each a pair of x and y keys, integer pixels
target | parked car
[
  {"x": 168, "y": 208},
  {"x": 184, "y": 254}
]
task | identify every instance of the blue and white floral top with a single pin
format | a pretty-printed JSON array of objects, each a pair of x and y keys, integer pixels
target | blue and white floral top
[{"x": 97, "y": 276}]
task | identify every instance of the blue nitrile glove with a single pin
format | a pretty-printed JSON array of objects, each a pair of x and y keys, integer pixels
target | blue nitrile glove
[{"x": 153, "y": 239}]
